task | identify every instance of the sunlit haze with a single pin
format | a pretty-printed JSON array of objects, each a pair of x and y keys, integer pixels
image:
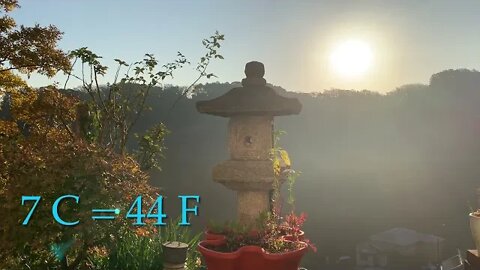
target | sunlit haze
[
  {"x": 388, "y": 43},
  {"x": 240, "y": 134},
  {"x": 351, "y": 58}
]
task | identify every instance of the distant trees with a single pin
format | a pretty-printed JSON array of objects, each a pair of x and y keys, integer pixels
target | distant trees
[
  {"x": 455, "y": 78},
  {"x": 362, "y": 152}
]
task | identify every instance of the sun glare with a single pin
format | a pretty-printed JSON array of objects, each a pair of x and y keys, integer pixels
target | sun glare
[{"x": 351, "y": 58}]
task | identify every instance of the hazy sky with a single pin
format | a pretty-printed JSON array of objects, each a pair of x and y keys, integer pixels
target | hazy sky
[{"x": 408, "y": 40}]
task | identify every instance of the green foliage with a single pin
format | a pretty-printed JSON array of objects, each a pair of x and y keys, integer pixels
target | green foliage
[
  {"x": 212, "y": 45},
  {"x": 217, "y": 227},
  {"x": 151, "y": 147},
  {"x": 292, "y": 176},
  {"x": 88, "y": 122},
  {"x": 234, "y": 227},
  {"x": 119, "y": 105},
  {"x": 269, "y": 231},
  {"x": 277, "y": 134},
  {"x": 55, "y": 143},
  {"x": 130, "y": 252},
  {"x": 281, "y": 167},
  {"x": 174, "y": 232},
  {"x": 134, "y": 251},
  {"x": 47, "y": 159}
]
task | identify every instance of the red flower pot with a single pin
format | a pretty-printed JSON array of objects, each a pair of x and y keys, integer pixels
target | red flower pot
[
  {"x": 249, "y": 258},
  {"x": 208, "y": 235}
]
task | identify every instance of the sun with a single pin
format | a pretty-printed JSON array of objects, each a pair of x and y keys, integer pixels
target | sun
[{"x": 351, "y": 58}]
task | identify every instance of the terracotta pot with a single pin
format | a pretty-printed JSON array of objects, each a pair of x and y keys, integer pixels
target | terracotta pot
[
  {"x": 475, "y": 228},
  {"x": 208, "y": 235},
  {"x": 249, "y": 257},
  {"x": 175, "y": 252}
]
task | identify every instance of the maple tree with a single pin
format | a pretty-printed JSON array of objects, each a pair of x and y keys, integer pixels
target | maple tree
[
  {"x": 43, "y": 157},
  {"x": 28, "y": 49}
]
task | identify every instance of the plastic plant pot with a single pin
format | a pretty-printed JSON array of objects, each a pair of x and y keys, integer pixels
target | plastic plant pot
[{"x": 175, "y": 252}]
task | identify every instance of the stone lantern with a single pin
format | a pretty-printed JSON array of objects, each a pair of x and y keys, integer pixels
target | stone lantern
[{"x": 251, "y": 109}]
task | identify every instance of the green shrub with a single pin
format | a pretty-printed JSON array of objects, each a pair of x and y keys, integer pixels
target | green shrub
[{"x": 133, "y": 250}]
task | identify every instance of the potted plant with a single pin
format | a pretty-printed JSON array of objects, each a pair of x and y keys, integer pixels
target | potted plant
[
  {"x": 291, "y": 228},
  {"x": 216, "y": 231},
  {"x": 475, "y": 228},
  {"x": 177, "y": 243},
  {"x": 175, "y": 252},
  {"x": 273, "y": 243}
]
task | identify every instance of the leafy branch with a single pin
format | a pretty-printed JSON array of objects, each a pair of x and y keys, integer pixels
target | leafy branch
[{"x": 119, "y": 105}]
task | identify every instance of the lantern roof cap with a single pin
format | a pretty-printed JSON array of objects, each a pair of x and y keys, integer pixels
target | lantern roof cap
[{"x": 253, "y": 98}]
